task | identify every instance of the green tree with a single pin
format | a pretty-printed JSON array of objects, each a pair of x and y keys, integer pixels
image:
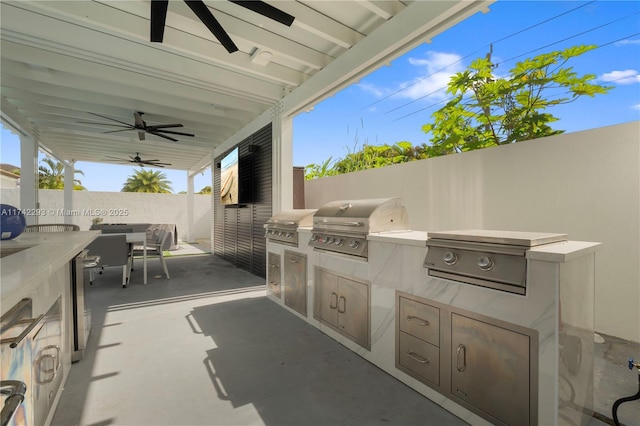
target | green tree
[
  {"x": 489, "y": 110},
  {"x": 316, "y": 171},
  {"x": 147, "y": 181},
  {"x": 205, "y": 190},
  {"x": 51, "y": 176}
]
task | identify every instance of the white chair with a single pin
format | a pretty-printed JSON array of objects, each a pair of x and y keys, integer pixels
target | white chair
[
  {"x": 155, "y": 243},
  {"x": 110, "y": 250}
]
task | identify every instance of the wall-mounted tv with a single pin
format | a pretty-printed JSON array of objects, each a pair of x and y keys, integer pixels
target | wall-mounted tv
[
  {"x": 236, "y": 178},
  {"x": 229, "y": 178}
]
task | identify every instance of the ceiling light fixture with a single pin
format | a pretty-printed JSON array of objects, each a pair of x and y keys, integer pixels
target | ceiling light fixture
[{"x": 261, "y": 57}]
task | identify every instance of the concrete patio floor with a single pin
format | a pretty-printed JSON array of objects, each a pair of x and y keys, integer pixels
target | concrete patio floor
[{"x": 208, "y": 348}]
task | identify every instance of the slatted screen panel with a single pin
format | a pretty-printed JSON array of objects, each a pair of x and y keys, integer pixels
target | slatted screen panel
[{"x": 239, "y": 230}]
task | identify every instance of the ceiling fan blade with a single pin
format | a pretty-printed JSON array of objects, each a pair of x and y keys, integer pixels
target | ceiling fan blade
[
  {"x": 158, "y": 19},
  {"x": 103, "y": 124},
  {"x": 203, "y": 12},
  {"x": 266, "y": 10},
  {"x": 163, "y": 126},
  {"x": 109, "y": 118},
  {"x": 120, "y": 130},
  {"x": 163, "y": 136},
  {"x": 141, "y": 135},
  {"x": 171, "y": 132}
]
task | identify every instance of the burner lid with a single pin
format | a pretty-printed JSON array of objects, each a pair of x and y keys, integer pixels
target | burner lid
[{"x": 512, "y": 238}]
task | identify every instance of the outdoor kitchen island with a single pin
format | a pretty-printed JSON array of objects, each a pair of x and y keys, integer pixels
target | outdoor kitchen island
[
  {"x": 36, "y": 275},
  {"x": 531, "y": 354}
]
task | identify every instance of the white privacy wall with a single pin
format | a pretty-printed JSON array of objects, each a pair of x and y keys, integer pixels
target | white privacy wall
[
  {"x": 584, "y": 184},
  {"x": 123, "y": 207}
]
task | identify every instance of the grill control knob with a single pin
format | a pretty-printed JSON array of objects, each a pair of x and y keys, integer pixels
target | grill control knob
[
  {"x": 354, "y": 244},
  {"x": 289, "y": 234},
  {"x": 450, "y": 258},
  {"x": 485, "y": 263},
  {"x": 329, "y": 241},
  {"x": 339, "y": 242}
]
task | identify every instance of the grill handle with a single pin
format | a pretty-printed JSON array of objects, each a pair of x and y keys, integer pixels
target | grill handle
[
  {"x": 327, "y": 222},
  {"x": 281, "y": 222},
  {"x": 16, "y": 390}
]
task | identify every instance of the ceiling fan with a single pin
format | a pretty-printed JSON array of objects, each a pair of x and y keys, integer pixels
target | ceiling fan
[
  {"x": 139, "y": 161},
  {"x": 141, "y": 126},
  {"x": 159, "y": 16}
]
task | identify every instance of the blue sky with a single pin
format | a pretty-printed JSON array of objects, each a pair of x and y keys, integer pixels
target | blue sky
[
  {"x": 366, "y": 113},
  {"x": 390, "y": 105}
]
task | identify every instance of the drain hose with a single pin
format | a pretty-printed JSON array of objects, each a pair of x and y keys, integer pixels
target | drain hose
[{"x": 628, "y": 398}]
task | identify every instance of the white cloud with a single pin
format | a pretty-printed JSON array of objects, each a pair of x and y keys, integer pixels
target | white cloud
[
  {"x": 636, "y": 106},
  {"x": 435, "y": 70},
  {"x": 374, "y": 90},
  {"x": 621, "y": 77},
  {"x": 626, "y": 42}
]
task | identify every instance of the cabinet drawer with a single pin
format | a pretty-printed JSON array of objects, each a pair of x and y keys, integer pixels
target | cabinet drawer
[
  {"x": 421, "y": 358},
  {"x": 420, "y": 320}
]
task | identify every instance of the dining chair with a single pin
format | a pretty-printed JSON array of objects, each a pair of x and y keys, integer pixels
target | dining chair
[
  {"x": 111, "y": 250},
  {"x": 155, "y": 243}
]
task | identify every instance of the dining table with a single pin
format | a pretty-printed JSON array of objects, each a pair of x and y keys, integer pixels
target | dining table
[{"x": 137, "y": 238}]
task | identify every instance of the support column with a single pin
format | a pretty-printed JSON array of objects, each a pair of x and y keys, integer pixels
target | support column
[
  {"x": 29, "y": 176},
  {"x": 190, "y": 219},
  {"x": 282, "y": 159},
  {"x": 69, "y": 172}
]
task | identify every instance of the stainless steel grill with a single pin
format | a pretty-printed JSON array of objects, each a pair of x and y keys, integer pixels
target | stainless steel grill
[
  {"x": 283, "y": 227},
  {"x": 343, "y": 226},
  {"x": 494, "y": 259}
]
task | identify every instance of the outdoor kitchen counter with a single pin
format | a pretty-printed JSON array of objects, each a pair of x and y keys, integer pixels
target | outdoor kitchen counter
[
  {"x": 47, "y": 253},
  {"x": 412, "y": 238}
]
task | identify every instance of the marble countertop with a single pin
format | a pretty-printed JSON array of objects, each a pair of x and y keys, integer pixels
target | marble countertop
[
  {"x": 46, "y": 252},
  {"x": 563, "y": 251},
  {"x": 412, "y": 238}
]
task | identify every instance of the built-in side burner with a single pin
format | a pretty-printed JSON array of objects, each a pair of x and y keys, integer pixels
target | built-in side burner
[{"x": 494, "y": 259}]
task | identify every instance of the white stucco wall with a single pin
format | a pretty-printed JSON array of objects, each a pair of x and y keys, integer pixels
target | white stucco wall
[
  {"x": 585, "y": 184},
  {"x": 123, "y": 207}
]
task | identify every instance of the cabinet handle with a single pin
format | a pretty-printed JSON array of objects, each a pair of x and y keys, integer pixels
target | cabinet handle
[
  {"x": 56, "y": 364},
  {"x": 293, "y": 260},
  {"x": 344, "y": 305},
  {"x": 331, "y": 304},
  {"x": 417, "y": 320},
  {"x": 462, "y": 350},
  {"x": 417, "y": 357}
]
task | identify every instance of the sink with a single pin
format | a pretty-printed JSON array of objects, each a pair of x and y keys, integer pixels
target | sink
[{"x": 7, "y": 251}]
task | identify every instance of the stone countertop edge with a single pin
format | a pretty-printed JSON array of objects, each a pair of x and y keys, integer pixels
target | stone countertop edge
[
  {"x": 410, "y": 238},
  {"x": 47, "y": 252},
  {"x": 563, "y": 251}
]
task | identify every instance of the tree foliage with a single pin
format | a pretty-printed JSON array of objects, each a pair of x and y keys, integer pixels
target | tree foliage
[
  {"x": 490, "y": 110},
  {"x": 147, "y": 181},
  {"x": 205, "y": 190},
  {"x": 369, "y": 157},
  {"x": 51, "y": 176}
]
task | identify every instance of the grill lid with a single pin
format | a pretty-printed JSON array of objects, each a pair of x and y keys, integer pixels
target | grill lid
[
  {"x": 294, "y": 218},
  {"x": 508, "y": 238},
  {"x": 362, "y": 216}
]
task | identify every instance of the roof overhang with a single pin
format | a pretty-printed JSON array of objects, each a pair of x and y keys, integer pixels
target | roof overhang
[{"x": 64, "y": 61}]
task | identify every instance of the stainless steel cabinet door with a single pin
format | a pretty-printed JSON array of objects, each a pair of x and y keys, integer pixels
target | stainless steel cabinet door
[
  {"x": 353, "y": 310},
  {"x": 490, "y": 369},
  {"x": 295, "y": 281},
  {"x": 273, "y": 274},
  {"x": 327, "y": 298}
]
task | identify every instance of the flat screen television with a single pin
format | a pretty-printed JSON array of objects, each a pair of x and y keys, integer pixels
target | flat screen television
[
  {"x": 230, "y": 178},
  {"x": 236, "y": 179}
]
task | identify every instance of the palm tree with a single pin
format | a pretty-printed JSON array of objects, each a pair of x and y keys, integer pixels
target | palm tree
[
  {"x": 53, "y": 176},
  {"x": 148, "y": 181}
]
